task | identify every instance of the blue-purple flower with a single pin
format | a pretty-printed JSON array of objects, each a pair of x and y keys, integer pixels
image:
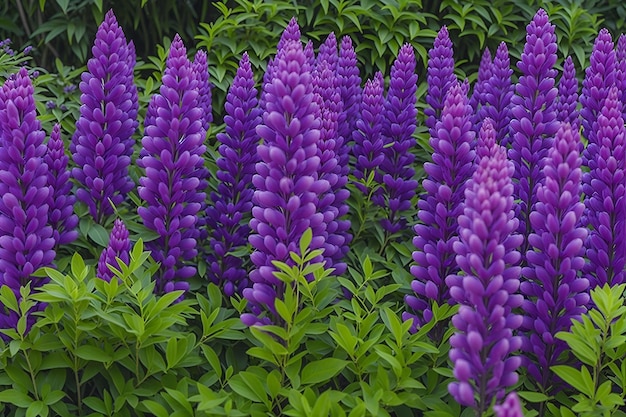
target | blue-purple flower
[
  {"x": 230, "y": 212},
  {"x": 440, "y": 76},
  {"x": 498, "y": 92},
  {"x": 61, "y": 202},
  {"x": 566, "y": 106},
  {"x": 118, "y": 247},
  {"x": 287, "y": 187},
  {"x": 102, "y": 145},
  {"x": 349, "y": 87},
  {"x": 486, "y": 288},
  {"x": 173, "y": 183}
]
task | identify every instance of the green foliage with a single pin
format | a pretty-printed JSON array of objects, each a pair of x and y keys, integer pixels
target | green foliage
[{"x": 598, "y": 341}]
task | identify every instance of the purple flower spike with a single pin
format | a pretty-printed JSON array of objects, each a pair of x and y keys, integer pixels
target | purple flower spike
[
  {"x": 511, "y": 407},
  {"x": 440, "y": 76},
  {"x": 553, "y": 290},
  {"x": 291, "y": 33},
  {"x": 119, "y": 247},
  {"x": 533, "y": 116},
  {"x": 61, "y": 202},
  {"x": 287, "y": 187},
  {"x": 328, "y": 52},
  {"x": 452, "y": 165},
  {"x": 620, "y": 77},
  {"x": 599, "y": 78},
  {"x": 478, "y": 94},
  {"x": 26, "y": 240},
  {"x": 334, "y": 167},
  {"x": 368, "y": 142},
  {"x": 486, "y": 288},
  {"x": 102, "y": 145},
  {"x": 605, "y": 189},
  {"x": 230, "y": 213},
  {"x": 309, "y": 53},
  {"x": 398, "y": 185},
  {"x": 568, "y": 96},
  {"x": 201, "y": 71},
  {"x": 173, "y": 182},
  {"x": 486, "y": 139},
  {"x": 350, "y": 88},
  {"x": 498, "y": 94}
]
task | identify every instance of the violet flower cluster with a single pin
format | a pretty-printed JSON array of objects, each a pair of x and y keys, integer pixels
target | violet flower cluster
[
  {"x": 605, "y": 189},
  {"x": 173, "y": 162},
  {"x": 510, "y": 407},
  {"x": 230, "y": 212},
  {"x": 566, "y": 106},
  {"x": 440, "y": 76},
  {"x": 287, "y": 187},
  {"x": 399, "y": 122},
  {"x": 26, "y": 239},
  {"x": 554, "y": 293},
  {"x": 368, "y": 142},
  {"x": 486, "y": 288},
  {"x": 350, "y": 89},
  {"x": 200, "y": 68},
  {"x": 118, "y": 247},
  {"x": 498, "y": 92},
  {"x": 334, "y": 157},
  {"x": 477, "y": 99},
  {"x": 102, "y": 145},
  {"x": 61, "y": 215},
  {"x": 533, "y": 116},
  {"x": 438, "y": 209}
]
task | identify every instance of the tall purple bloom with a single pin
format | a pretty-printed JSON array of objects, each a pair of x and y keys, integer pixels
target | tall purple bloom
[
  {"x": 350, "y": 88},
  {"x": 291, "y": 33},
  {"x": 605, "y": 188},
  {"x": 398, "y": 126},
  {"x": 61, "y": 202},
  {"x": 201, "y": 70},
  {"x": 486, "y": 255},
  {"x": 553, "y": 290},
  {"x": 230, "y": 213},
  {"x": 486, "y": 139},
  {"x": 533, "y": 116},
  {"x": 173, "y": 182},
  {"x": 102, "y": 145},
  {"x": 438, "y": 209},
  {"x": 477, "y": 98},
  {"x": 368, "y": 142},
  {"x": 498, "y": 93},
  {"x": 328, "y": 52},
  {"x": 620, "y": 77},
  {"x": 599, "y": 78},
  {"x": 440, "y": 76},
  {"x": 118, "y": 247},
  {"x": 568, "y": 96},
  {"x": 511, "y": 407},
  {"x": 26, "y": 240}
]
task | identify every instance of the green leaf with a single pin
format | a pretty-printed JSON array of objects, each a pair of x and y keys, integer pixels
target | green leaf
[
  {"x": 63, "y": 4},
  {"x": 93, "y": 353},
  {"x": 322, "y": 370},
  {"x": 577, "y": 379},
  {"x": 305, "y": 241},
  {"x": 15, "y": 397},
  {"x": 36, "y": 409},
  {"x": 98, "y": 234},
  {"x": 533, "y": 397},
  {"x": 155, "y": 408}
]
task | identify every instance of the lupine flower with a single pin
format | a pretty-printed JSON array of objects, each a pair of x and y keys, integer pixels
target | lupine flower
[
  {"x": 498, "y": 93},
  {"x": 440, "y": 76},
  {"x": 102, "y": 145},
  {"x": 118, "y": 247},
  {"x": 533, "y": 116},
  {"x": 309, "y": 53},
  {"x": 350, "y": 89},
  {"x": 620, "y": 76},
  {"x": 328, "y": 52},
  {"x": 232, "y": 203},
  {"x": 568, "y": 96},
  {"x": 398, "y": 126},
  {"x": 599, "y": 78},
  {"x": 486, "y": 139},
  {"x": 605, "y": 189},
  {"x": 201, "y": 70},
  {"x": 511, "y": 407},
  {"x": 554, "y": 292},
  {"x": 487, "y": 257},
  {"x": 173, "y": 162},
  {"x": 286, "y": 184},
  {"x": 368, "y": 142},
  {"x": 27, "y": 50},
  {"x": 452, "y": 165},
  {"x": 333, "y": 164},
  {"x": 51, "y": 105},
  {"x": 26, "y": 240},
  {"x": 477, "y": 98},
  {"x": 61, "y": 202}
]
